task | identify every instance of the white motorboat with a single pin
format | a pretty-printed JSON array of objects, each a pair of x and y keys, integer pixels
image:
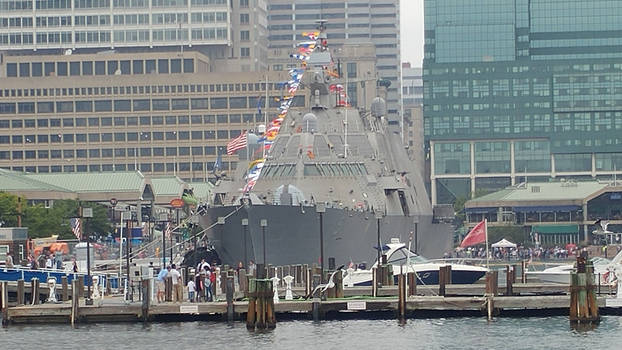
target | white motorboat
[
  {"x": 603, "y": 268},
  {"x": 399, "y": 256}
]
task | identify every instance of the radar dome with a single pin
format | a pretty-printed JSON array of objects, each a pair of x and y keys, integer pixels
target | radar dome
[
  {"x": 309, "y": 123},
  {"x": 378, "y": 107}
]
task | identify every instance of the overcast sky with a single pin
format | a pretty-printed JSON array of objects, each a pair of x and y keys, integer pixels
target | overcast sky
[{"x": 412, "y": 31}]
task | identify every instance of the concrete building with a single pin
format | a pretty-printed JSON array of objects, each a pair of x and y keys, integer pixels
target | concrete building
[
  {"x": 412, "y": 85},
  {"x": 349, "y": 22},
  {"x": 233, "y": 33},
  {"x": 104, "y": 113},
  {"x": 519, "y": 90}
]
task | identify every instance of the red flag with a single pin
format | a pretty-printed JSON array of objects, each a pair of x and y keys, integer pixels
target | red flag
[{"x": 476, "y": 236}]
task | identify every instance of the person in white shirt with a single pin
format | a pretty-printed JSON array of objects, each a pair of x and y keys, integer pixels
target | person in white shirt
[
  {"x": 191, "y": 289},
  {"x": 177, "y": 286}
]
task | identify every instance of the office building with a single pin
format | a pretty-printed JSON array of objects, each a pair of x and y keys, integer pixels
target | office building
[
  {"x": 518, "y": 90},
  {"x": 233, "y": 33},
  {"x": 160, "y": 113},
  {"x": 348, "y": 22}
]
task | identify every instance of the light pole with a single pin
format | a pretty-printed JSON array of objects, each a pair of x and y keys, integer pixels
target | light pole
[
  {"x": 244, "y": 230},
  {"x": 87, "y": 213},
  {"x": 263, "y": 223},
  {"x": 320, "y": 208},
  {"x": 163, "y": 217},
  {"x": 378, "y": 216},
  {"x": 194, "y": 221}
]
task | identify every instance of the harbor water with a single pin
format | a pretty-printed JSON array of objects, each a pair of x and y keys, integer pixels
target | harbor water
[{"x": 448, "y": 333}]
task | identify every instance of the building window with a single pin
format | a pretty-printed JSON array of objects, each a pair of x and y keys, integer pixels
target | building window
[
  {"x": 245, "y": 52},
  {"x": 245, "y": 35},
  {"x": 244, "y": 18}
]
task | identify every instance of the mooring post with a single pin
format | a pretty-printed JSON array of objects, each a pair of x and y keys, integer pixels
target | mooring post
[
  {"x": 444, "y": 278},
  {"x": 509, "y": 280},
  {"x": 583, "y": 306},
  {"x": 168, "y": 289},
  {"x": 412, "y": 283},
  {"x": 81, "y": 286},
  {"x": 230, "y": 288},
  {"x": 374, "y": 281},
  {"x": 338, "y": 279},
  {"x": 4, "y": 302},
  {"x": 252, "y": 303},
  {"x": 146, "y": 289},
  {"x": 65, "y": 289},
  {"x": 491, "y": 291},
  {"x": 315, "y": 307},
  {"x": 401, "y": 286},
  {"x": 75, "y": 301},
  {"x": 308, "y": 280},
  {"x": 34, "y": 287},
  {"x": 20, "y": 292},
  {"x": 523, "y": 271},
  {"x": 270, "y": 316}
]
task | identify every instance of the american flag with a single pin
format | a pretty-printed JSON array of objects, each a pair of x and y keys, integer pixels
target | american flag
[
  {"x": 237, "y": 143},
  {"x": 168, "y": 230},
  {"x": 76, "y": 227}
]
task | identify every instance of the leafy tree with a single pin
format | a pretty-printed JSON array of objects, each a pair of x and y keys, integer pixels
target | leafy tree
[
  {"x": 44, "y": 222},
  {"x": 8, "y": 209},
  {"x": 513, "y": 233}
]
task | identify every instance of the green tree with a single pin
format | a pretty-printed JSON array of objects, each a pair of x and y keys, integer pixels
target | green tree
[
  {"x": 513, "y": 233},
  {"x": 8, "y": 209},
  {"x": 44, "y": 222}
]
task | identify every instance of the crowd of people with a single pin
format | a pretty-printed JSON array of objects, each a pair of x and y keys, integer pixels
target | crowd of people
[{"x": 519, "y": 253}]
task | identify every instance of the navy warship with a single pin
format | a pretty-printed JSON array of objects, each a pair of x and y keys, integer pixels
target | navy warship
[{"x": 332, "y": 170}]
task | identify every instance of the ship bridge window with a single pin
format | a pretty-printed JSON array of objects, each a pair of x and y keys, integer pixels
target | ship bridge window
[
  {"x": 335, "y": 169},
  {"x": 279, "y": 170}
]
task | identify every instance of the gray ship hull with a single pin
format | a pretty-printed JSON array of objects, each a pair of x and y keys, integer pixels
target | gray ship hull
[{"x": 292, "y": 235}]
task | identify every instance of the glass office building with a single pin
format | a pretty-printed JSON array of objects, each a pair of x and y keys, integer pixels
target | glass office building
[{"x": 519, "y": 90}]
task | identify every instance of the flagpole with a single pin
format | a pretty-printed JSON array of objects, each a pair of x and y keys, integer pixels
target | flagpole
[{"x": 487, "y": 255}]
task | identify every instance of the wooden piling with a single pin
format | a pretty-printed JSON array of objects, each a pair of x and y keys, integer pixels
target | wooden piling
[
  {"x": 75, "y": 302},
  {"x": 229, "y": 290},
  {"x": 81, "y": 286},
  {"x": 146, "y": 299},
  {"x": 21, "y": 293},
  {"x": 374, "y": 281},
  {"x": 401, "y": 286},
  {"x": 168, "y": 289},
  {"x": 412, "y": 283},
  {"x": 316, "y": 305},
  {"x": 338, "y": 279},
  {"x": 223, "y": 280},
  {"x": 330, "y": 292},
  {"x": 492, "y": 283},
  {"x": 509, "y": 279},
  {"x": 444, "y": 278},
  {"x": 252, "y": 304},
  {"x": 260, "y": 312},
  {"x": 523, "y": 271},
  {"x": 65, "y": 289},
  {"x": 4, "y": 302},
  {"x": 308, "y": 281},
  {"x": 34, "y": 291},
  {"x": 583, "y": 306}
]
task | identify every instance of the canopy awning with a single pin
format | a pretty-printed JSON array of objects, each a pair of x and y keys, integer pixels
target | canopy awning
[
  {"x": 555, "y": 229},
  {"x": 482, "y": 210},
  {"x": 504, "y": 243}
]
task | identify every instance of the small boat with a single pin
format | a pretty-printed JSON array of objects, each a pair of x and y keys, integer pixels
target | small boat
[
  {"x": 399, "y": 256},
  {"x": 603, "y": 268}
]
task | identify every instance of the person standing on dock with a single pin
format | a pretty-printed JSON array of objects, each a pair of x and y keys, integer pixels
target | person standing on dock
[
  {"x": 207, "y": 282},
  {"x": 191, "y": 288},
  {"x": 160, "y": 283},
  {"x": 177, "y": 286}
]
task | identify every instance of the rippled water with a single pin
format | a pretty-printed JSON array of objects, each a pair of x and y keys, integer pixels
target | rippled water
[{"x": 452, "y": 333}]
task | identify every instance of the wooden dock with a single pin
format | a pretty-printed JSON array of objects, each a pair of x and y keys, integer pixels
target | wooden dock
[{"x": 419, "y": 306}]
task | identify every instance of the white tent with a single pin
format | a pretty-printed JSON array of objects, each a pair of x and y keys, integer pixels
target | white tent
[{"x": 504, "y": 243}]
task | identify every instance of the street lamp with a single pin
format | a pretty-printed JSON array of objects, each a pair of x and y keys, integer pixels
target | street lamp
[
  {"x": 163, "y": 217},
  {"x": 378, "y": 216},
  {"x": 244, "y": 230},
  {"x": 87, "y": 213},
  {"x": 320, "y": 208},
  {"x": 263, "y": 223}
]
